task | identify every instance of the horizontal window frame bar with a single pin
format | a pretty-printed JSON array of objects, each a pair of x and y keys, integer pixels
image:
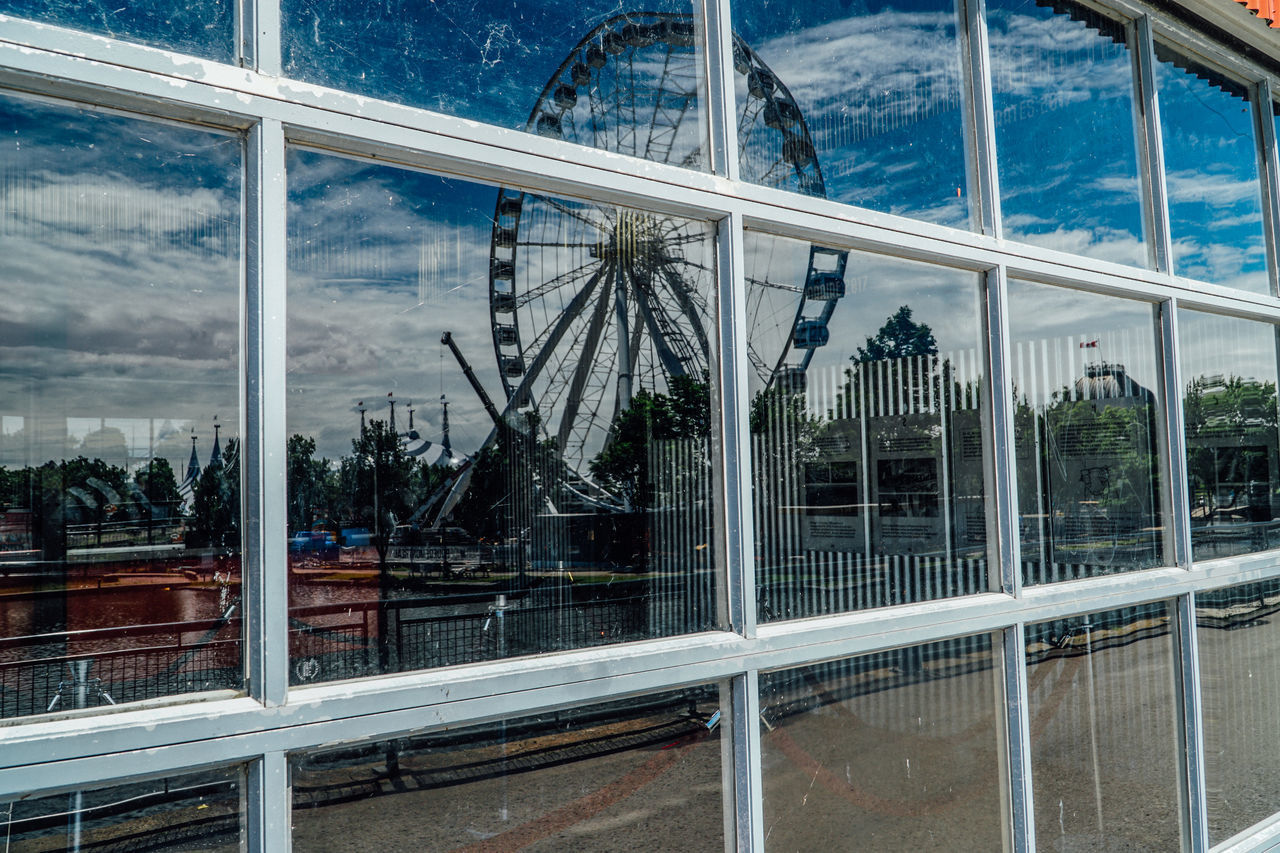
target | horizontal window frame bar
[{"x": 320, "y": 714}]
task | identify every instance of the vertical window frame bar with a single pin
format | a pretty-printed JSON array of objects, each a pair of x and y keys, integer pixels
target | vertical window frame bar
[
  {"x": 258, "y": 36},
  {"x": 268, "y": 799},
  {"x": 1151, "y": 151},
  {"x": 1269, "y": 172},
  {"x": 748, "y": 779},
  {"x": 982, "y": 126},
  {"x": 1195, "y": 822},
  {"x": 1002, "y": 505},
  {"x": 1018, "y": 743},
  {"x": 1174, "y": 452},
  {"x": 265, "y": 574},
  {"x": 738, "y": 539},
  {"x": 721, "y": 108}
]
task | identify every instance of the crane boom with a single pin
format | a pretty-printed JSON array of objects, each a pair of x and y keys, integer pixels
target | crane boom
[{"x": 447, "y": 340}]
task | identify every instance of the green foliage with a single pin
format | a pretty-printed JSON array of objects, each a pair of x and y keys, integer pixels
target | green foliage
[
  {"x": 623, "y": 465},
  {"x": 899, "y": 337},
  {"x": 215, "y": 512}
]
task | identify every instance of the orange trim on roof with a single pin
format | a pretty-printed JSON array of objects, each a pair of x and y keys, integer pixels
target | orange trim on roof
[{"x": 1267, "y": 10}]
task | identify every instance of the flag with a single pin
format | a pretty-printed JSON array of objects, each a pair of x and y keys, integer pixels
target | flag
[{"x": 1093, "y": 344}]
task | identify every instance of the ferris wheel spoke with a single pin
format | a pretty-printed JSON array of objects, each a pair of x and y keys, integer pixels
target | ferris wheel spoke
[
  {"x": 581, "y": 216},
  {"x": 563, "y": 280},
  {"x": 774, "y": 285},
  {"x": 658, "y": 335},
  {"x": 586, "y": 361},
  {"x": 676, "y": 284},
  {"x": 546, "y": 344}
]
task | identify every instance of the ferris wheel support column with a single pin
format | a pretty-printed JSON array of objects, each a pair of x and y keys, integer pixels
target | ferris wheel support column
[{"x": 624, "y": 347}]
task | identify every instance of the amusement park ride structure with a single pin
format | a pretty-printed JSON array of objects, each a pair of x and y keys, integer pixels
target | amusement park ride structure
[{"x": 589, "y": 302}]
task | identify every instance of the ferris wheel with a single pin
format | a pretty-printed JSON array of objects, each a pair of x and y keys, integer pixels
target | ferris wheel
[{"x": 592, "y": 303}]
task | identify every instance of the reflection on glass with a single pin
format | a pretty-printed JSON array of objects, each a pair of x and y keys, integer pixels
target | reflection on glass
[
  {"x": 500, "y": 421},
  {"x": 898, "y": 750},
  {"x": 594, "y": 73},
  {"x": 866, "y": 424},
  {"x": 1104, "y": 737},
  {"x": 1063, "y": 84},
  {"x": 1211, "y": 168},
  {"x": 877, "y": 90},
  {"x": 119, "y": 463},
  {"x": 1240, "y": 690},
  {"x": 636, "y": 774},
  {"x": 201, "y": 27},
  {"x": 196, "y": 811},
  {"x": 1086, "y": 416},
  {"x": 1229, "y": 412}
]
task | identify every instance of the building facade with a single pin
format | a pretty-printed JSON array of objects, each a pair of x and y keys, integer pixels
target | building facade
[{"x": 750, "y": 425}]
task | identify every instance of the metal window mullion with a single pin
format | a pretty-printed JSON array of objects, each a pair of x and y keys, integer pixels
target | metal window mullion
[
  {"x": 1270, "y": 171},
  {"x": 268, "y": 805},
  {"x": 265, "y": 575},
  {"x": 1002, "y": 465},
  {"x": 1195, "y": 824},
  {"x": 983, "y": 125},
  {"x": 721, "y": 113},
  {"x": 1151, "y": 148},
  {"x": 748, "y": 793},
  {"x": 1017, "y": 721},
  {"x": 1174, "y": 446},
  {"x": 738, "y": 539},
  {"x": 258, "y": 35}
]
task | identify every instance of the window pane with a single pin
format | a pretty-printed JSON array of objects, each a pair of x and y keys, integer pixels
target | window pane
[
  {"x": 898, "y": 750},
  {"x": 868, "y": 98},
  {"x": 866, "y": 426},
  {"x": 198, "y": 811},
  {"x": 630, "y": 83},
  {"x": 204, "y": 28},
  {"x": 1104, "y": 736},
  {"x": 1240, "y": 689},
  {"x": 1086, "y": 422},
  {"x": 500, "y": 420},
  {"x": 1229, "y": 411},
  {"x": 1211, "y": 167},
  {"x": 1063, "y": 84},
  {"x": 638, "y": 774},
  {"x": 119, "y": 409}
]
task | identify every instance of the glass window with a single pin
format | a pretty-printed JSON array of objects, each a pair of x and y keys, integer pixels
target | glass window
[
  {"x": 1062, "y": 77},
  {"x": 869, "y": 98},
  {"x": 1086, "y": 426},
  {"x": 866, "y": 423},
  {"x": 195, "y": 811},
  {"x": 204, "y": 28},
  {"x": 582, "y": 72},
  {"x": 119, "y": 409},
  {"x": 499, "y": 407},
  {"x": 1240, "y": 686},
  {"x": 635, "y": 774},
  {"x": 1229, "y": 413},
  {"x": 1211, "y": 169},
  {"x": 1104, "y": 735},
  {"x": 898, "y": 750}
]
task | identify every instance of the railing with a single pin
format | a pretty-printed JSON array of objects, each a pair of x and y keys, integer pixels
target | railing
[{"x": 94, "y": 668}]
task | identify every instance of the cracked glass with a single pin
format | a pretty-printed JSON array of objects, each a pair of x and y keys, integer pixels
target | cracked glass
[
  {"x": 626, "y": 80},
  {"x": 898, "y": 750},
  {"x": 635, "y": 774},
  {"x": 119, "y": 409},
  {"x": 499, "y": 407},
  {"x": 204, "y": 28}
]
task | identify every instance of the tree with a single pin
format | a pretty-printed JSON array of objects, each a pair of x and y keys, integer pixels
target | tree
[
  {"x": 899, "y": 337},
  {"x": 382, "y": 473},
  {"x": 312, "y": 483},
  {"x": 684, "y": 413},
  {"x": 215, "y": 514}
]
